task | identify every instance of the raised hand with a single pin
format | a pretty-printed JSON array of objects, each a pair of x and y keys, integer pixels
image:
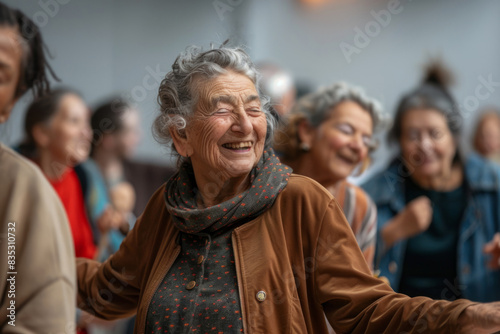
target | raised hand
[
  {"x": 493, "y": 248},
  {"x": 415, "y": 218}
]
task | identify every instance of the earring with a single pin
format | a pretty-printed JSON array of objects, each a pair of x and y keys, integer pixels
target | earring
[{"x": 305, "y": 147}]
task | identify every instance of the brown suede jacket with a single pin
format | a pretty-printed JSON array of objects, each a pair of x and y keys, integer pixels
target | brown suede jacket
[{"x": 301, "y": 253}]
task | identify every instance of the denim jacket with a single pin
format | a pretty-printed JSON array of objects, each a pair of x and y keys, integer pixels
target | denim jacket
[{"x": 480, "y": 221}]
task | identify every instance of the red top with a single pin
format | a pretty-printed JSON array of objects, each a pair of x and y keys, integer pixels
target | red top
[{"x": 70, "y": 192}]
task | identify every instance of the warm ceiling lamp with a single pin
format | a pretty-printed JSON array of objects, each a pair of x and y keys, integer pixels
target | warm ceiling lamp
[{"x": 315, "y": 2}]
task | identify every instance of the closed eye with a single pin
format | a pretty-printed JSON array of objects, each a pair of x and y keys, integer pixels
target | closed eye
[
  {"x": 345, "y": 128},
  {"x": 436, "y": 134},
  {"x": 254, "y": 111},
  {"x": 221, "y": 111}
]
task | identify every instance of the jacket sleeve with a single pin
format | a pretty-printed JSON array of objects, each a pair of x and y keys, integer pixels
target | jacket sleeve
[
  {"x": 111, "y": 290},
  {"x": 43, "y": 290},
  {"x": 356, "y": 302}
]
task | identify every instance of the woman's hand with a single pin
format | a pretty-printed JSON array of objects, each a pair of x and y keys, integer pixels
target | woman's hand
[
  {"x": 415, "y": 218},
  {"x": 110, "y": 219},
  {"x": 493, "y": 248},
  {"x": 480, "y": 318}
]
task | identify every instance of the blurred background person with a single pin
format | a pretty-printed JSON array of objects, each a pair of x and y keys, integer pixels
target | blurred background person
[
  {"x": 438, "y": 217},
  {"x": 279, "y": 85},
  {"x": 58, "y": 139},
  {"x": 35, "y": 239},
  {"x": 116, "y": 131},
  {"x": 327, "y": 137},
  {"x": 487, "y": 135}
]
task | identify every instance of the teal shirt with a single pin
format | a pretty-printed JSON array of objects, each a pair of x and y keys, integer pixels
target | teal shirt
[{"x": 431, "y": 257}]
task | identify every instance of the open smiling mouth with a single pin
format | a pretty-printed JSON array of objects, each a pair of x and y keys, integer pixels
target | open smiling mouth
[
  {"x": 243, "y": 146},
  {"x": 349, "y": 160}
]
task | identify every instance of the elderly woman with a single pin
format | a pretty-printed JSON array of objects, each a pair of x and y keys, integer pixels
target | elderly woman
[
  {"x": 328, "y": 136},
  {"x": 486, "y": 139},
  {"x": 234, "y": 242},
  {"x": 438, "y": 214}
]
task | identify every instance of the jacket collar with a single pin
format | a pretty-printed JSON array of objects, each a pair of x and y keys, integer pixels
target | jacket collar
[
  {"x": 481, "y": 174},
  {"x": 388, "y": 187}
]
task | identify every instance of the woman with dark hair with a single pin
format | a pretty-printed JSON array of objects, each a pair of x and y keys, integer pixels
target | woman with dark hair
[
  {"x": 116, "y": 133},
  {"x": 116, "y": 128},
  {"x": 37, "y": 271},
  {"x": 58, "y": 139},
  {"x": 234, "y": 242},
  {"x": 438, "y": 214}
]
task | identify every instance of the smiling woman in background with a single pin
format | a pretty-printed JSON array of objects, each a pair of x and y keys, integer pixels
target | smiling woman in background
[
  {"x": 236, "y": 243},
  {"x": 58, "y": 138},
  {"x": 329, "y": 135},
  {"x": 438, "y": 214}
]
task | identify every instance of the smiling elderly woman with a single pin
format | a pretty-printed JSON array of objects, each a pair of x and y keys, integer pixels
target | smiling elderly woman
[{"x": 234, "y": 242}]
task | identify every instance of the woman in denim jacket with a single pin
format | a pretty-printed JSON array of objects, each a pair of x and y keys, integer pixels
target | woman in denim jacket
[{"x": 438, "y": 214}]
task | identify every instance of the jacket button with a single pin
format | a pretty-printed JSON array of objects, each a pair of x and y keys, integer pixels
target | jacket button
[
  {"x": 200, "y": 259},
  {"x": 191, "y": 285},
  {"x": 393, "y": 267},
  {"x": 261, "y": 296}
]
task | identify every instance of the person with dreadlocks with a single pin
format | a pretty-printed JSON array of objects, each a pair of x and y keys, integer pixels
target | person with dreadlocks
[{"x": 37, "y": 270}]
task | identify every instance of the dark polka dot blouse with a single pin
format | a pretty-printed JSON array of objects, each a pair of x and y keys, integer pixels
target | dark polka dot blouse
[{"x": 199, "y": 294}]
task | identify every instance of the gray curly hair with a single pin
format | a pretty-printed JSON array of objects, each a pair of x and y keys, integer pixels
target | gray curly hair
[
  {"x": 315, "y": 108},
  {"x": 178, "y": 93}
]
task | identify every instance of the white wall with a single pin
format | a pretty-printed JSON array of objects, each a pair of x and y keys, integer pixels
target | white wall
[{"x": 101, "y": 47}]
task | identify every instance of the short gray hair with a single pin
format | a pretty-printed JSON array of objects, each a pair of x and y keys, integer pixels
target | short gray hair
[
  {"x": 178, "y": 96},
  {"x": 315, "y": 108}
]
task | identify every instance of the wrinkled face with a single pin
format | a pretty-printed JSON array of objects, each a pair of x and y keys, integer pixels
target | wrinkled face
[
  {"x": 10, "y": 64},
  {"x": 342, "y": 141},
  {"x": 69, "y": 133},
  {"x": 489, "y": 136},
  {"x": 427, "y": 144},
  {"x": 225, "y": 137},
  {"x": 129, "y": 135}
]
